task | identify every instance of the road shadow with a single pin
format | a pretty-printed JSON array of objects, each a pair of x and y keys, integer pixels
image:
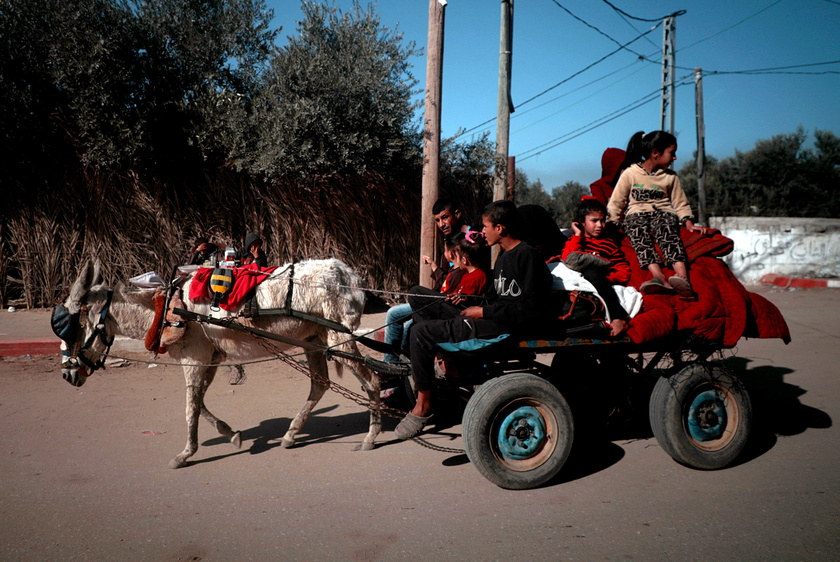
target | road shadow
[
  {"x": 777, "y": 410},
  {"x": 319, "y": 428}
]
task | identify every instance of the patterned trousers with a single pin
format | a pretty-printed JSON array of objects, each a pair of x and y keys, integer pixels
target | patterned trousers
[{"x": 655, "y": 227}]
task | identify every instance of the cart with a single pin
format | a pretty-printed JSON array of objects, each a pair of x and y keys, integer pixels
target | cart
[{"x": 526, "y": 401}]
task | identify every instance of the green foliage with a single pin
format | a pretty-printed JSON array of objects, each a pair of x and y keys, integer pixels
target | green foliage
[
  {"x": 466, "y": 173},
  {"x": 335, "y": 100},
  {"x": 778, "y": 177},
  {"x": 117, "y": 85},
  {"x": 560, "y": 204}
]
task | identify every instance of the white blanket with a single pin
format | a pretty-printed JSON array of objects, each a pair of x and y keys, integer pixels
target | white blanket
[{"x": 567, "y": 279}]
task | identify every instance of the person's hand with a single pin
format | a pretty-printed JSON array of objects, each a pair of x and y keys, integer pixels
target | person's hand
[
  {"x": 428, "y": 261},
  {"x": 577, "y": 229},
  {"x": 474, "y": 312},
  {"x": 694, "y": 228},
  {"x": 456, "y": 298}
]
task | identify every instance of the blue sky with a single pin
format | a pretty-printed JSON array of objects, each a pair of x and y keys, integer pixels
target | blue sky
[{"x": 550, "y": 46}]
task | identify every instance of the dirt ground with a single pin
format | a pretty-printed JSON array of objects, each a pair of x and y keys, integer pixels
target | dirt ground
[{"x": 85, "y": 472}]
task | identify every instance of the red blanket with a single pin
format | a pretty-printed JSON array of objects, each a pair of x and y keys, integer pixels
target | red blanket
[
  {"x": 725, "y": 311},
  {"x": 245, "y": 279}
]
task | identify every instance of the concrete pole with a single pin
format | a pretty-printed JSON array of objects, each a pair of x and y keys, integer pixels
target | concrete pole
[
  {"x": 669, "y": 42},
  {"x": 431, "y": 137},
  {"x": 701, "y": 146},
  {"x": 503, "y": 107}
]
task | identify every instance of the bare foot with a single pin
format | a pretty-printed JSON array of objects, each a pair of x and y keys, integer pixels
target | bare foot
[{"x": 618, "y": 327}]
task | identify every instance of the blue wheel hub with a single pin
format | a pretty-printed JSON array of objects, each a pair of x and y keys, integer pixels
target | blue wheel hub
[
  {"x": 522, "y": 433},
  {"x": 707, "y": 416}
]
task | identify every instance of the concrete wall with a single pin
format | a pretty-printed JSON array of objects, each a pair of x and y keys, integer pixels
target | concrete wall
[{"x": 790, "y": 247}]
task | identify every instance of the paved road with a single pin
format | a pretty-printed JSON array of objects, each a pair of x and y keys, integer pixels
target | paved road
[{"x": 84, "y": 474}]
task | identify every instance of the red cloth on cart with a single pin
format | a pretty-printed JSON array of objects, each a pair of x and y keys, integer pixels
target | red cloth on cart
[
  {"x": 725, "y": 311},
  {"x": 245, "y": 279}
]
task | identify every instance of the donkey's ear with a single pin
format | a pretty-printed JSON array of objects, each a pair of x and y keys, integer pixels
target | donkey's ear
[
  {"x": 80, "y": 286},
  {"x": 97, "y": 273}
]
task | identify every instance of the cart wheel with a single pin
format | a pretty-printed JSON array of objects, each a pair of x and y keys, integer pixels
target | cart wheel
[
  {"x": 518, "y": 431},
  {"x": 701, "y": 416}
]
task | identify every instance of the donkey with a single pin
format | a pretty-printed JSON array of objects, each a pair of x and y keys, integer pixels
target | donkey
[{"x": 328, "y": 289}]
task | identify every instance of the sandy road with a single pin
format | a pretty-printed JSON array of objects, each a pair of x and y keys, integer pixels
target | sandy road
[{"x": 84, "y": 474}]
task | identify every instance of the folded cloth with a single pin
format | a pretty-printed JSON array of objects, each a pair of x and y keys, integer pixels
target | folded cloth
[
  {"x": 245, "y": 279},
  {"x": 565, "y": 279}
]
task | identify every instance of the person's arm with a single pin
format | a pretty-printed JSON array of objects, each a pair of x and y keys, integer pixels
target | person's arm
[
  {"x": 573, "y": 244},
  {"x": 619, "y": 197}
]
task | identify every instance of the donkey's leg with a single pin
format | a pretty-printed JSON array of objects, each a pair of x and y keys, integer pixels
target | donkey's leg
[
  {"x": 194, "y": 377},
  {"x": 318, "y": 386},
  {"x": 370, "y": 383},
  {"x": 224, "y": 429}
]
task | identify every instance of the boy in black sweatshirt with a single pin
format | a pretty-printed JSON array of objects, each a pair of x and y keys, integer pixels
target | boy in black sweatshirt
[{"x": 517, "y": 302}]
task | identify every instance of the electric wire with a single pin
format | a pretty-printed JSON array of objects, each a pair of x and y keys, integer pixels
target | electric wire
[
  {"x": 592, "y": 125},
  {"x": 560, "y": 83},
  {"x": 623, "y": 13},
  {"x": 730, "y": 27}
]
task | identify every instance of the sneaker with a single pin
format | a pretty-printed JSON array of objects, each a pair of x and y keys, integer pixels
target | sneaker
[
  {"x": 683, "y": 288},
  {"x": 655, "y": 286}
]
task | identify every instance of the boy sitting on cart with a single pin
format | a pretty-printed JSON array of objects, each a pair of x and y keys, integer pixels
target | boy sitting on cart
[{"x": 516, "y": 303}]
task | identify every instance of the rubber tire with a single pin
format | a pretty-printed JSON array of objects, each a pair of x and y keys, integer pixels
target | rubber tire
[
  {"x": 486, "y": 412},
  {"x": 677, "y": 399}
]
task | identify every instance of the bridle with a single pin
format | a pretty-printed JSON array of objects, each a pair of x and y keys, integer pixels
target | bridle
[{"x": 67, "y": 326}]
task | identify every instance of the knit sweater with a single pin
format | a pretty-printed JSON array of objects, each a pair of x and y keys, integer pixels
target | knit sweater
[{"x": 638, "y": 191}]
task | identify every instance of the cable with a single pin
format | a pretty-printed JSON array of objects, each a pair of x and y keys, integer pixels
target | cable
[
  {"x": 589, "y": 25},
  {"x": 632, "y": 105},
  {"x": 560, "y": 83},
  {"x": 591, "y": 126},
  {"x": 730, "y": 27},
  {"x": 623, "y": 13},
  {"x": 519, "y": 130},
  {"x": 777, "y": 68}
]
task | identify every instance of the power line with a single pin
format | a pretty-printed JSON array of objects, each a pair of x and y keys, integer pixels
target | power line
[
  {"x": 560, "y": 83},
  {"x": 576, "y": 102},
  {"x": 775, "y": 69},
  {"x": 731, "y": 26},
  {"x": 623, "y": 13},
  {"x": 590, "y": 26},
  {"x": 592, "y": 125},
  {"x": 684, "y": 80}
]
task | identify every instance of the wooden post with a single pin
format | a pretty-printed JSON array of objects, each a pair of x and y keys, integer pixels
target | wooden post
[
  {"x": 431, "y": 137},
  {"x": 503, "y": 106}
]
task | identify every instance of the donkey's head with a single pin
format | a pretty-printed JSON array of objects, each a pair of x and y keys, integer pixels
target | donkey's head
[{"x": 81, "y": 323}]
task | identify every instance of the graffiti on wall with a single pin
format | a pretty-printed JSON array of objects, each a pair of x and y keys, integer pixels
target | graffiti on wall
[{"x": 757, "y": 253}]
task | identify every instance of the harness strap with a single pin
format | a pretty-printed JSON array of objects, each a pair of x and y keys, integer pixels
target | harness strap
[
  {"x": 289, "y": 291},
  {"x": 99, "y": 332}
]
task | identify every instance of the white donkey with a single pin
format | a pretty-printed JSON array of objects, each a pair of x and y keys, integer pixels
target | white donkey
[{"x": 93, "y": 315}]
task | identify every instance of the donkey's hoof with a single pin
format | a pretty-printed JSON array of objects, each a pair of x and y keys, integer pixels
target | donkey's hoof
[
  {"x": 177, "y": 462},
  {"x": 287, "y": 443},
  {"x": 236, "y": 439},
  {"x": 365, "y": 446}
]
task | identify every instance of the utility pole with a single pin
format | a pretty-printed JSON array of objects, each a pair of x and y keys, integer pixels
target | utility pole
[
  {"x": 669, "y": 43},
  {"x": 431, "y": 137},
  {"x": 701, "y": 145},
  {"x": 504, "y": 105}
]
